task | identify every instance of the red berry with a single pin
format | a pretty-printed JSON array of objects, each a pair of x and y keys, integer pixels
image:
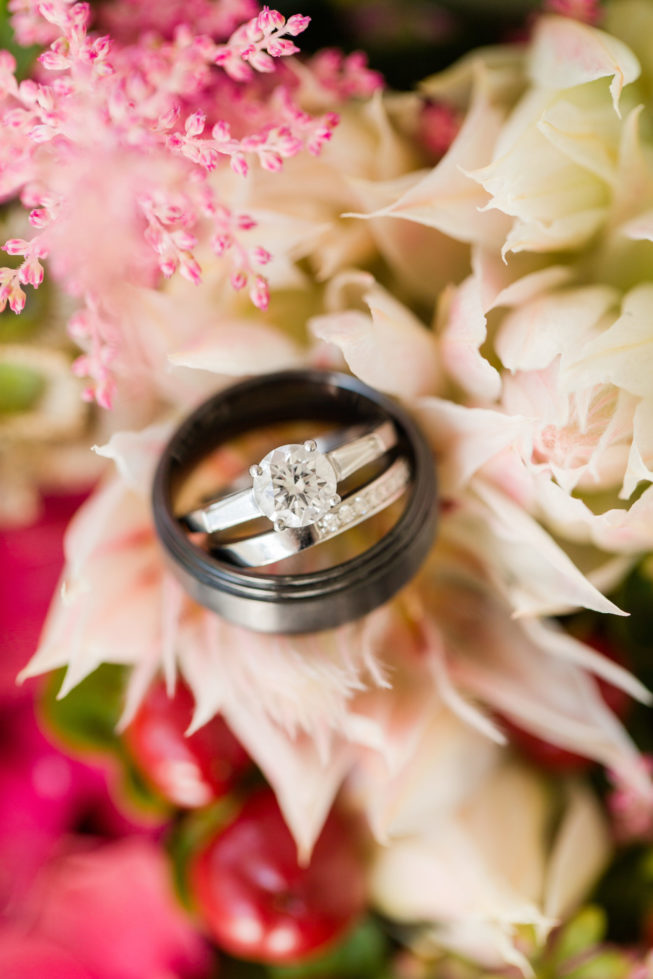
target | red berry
[
  {"x": 256, "y": 899},
  {"x": 550, "y": 756},
  {"x": 188, "y": 771}
]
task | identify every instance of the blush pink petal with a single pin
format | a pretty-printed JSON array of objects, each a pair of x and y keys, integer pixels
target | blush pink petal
[
  {"x": 25, "y": 955},
  {"x": 446, "y": 198},
  {"x": 566, "y": 53},
  {"x": 463, "y": 333},
  {"x": 389, "y": 349},
  {"x": 113, "y": 907}
]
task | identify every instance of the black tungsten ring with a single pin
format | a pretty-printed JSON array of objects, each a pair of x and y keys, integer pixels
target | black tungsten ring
[{"x": 319, "y": 600}]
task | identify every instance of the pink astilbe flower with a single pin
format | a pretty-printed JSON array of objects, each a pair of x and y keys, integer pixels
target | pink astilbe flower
[
  {"x": 345, "y": 75},
  {"x": 119, "y": 146},
  {"x": 632, "y": 812},
  {"x": 125, "y": 18}
]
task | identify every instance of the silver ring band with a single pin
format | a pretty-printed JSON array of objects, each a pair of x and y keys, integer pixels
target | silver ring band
[
  {"x": 358, "y": 506},
  {"x": 233, "y": 509},
  {"x": 326, "y": 597}
]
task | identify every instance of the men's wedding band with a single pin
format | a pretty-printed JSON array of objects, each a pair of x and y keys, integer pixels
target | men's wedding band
[{"x": 331, "y": 596}]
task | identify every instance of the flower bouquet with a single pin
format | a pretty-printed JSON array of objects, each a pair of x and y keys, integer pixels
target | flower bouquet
[{"x": 457, "y": 784}]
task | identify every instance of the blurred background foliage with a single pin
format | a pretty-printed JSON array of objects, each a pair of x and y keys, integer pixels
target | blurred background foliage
[{"x": 407, "y": 40}]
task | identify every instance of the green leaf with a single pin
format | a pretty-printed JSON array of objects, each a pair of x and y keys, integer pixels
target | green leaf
[
  {"x": 84, "y": 721},
  {"x": 607, "y": 965},
  {"x": 583, "y": 932},
  {"x": 362, "y": 954},
  {"x": 191, "y": 832},
  {"x": 24, "y": 56},
  {"x": 20, "y": 388},
  {"x": 86, "y": 718}
]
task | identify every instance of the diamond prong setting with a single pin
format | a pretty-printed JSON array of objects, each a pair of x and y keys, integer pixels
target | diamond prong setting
[{"x": 294, "y": 485}]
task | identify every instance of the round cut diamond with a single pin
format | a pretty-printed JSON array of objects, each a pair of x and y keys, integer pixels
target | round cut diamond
[{"x": 295, "y": 485}]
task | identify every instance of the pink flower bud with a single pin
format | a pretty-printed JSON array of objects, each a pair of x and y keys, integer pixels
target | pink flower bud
[
  {"x": 220, "y": 244},
  {"x": 81, "y": 366},
  {"x": 261, "y": 255},
  {"x": 221, "y": 132},
  {"x": 7, "y": 61},
  {"x": 53, "y": 61},
  {"x": 239, "y": 164},
  {"x": 104, "y": 392},
  {"x": 261, "y": 61},
  {"x": 296, "y": 24},
  {"x": 280, "y": 48},
  {"x": 31, "y": 273},
  {"x": 238, "y": 70},
  {"x": 15, "y": 246},
  {"x": 238, "y": 280},
  {"x": 102, "y": 46},
  {"x": 260, "y": 293},
  {"x": 38, "y": 218},
  {"x": 195, "y": 123},
  {"x": 270, "y": 20},
  {"x": 184, "y": 240},
  {"x": 245, "y": 222},
  {"x": 79, "y": 14},
  {"x": 270, "y": 160},
  {"x": 17, "y": 299},
  {"x": 168, "y": 267},
  {"x": 191, "y": 270},
  {"x": 41, "y": 134}
]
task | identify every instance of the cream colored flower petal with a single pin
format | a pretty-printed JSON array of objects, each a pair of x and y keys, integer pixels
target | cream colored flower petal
[
  {"x": 136, "y": 454},
  {"x": 623, "y": 354},
  {"x": 390, "y": 349},
  {"x": 617, "y": 530},
  {"x": 522, "y": 560},
  {"x": 583, "y": 831},
  {"x": 546, "y": 235},
  {"x": 561, "y": 644},
  {"x": 640, "y": 228},
  {"x": 503, "y": 70},
  {"x": 239, "y": 348},
  {"x": 465, "y": 438},
  {"x": 508, "y": 818},
  {"x": 499, "y": 287},
  {"x": 447, "y": 762},
  {"x": 425, "y": 258},
  {"x": 476, "y": 871},
  {"x": 446, "y": 198},
  {"x": 551, "y": 325},
  {"x": 556, "y": 202},
  {"x": 524, "y": 677},
  {"x": 304, "y": 783},
  {"x": 565, "y": 53},
  {"x": 640, "y": 458},
  {"x": 462, "y": 336},
  {"x": 587, "y": 131}
]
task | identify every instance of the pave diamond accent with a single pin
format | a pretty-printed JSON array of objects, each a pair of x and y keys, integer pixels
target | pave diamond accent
[{"x": 294, "y": 485}]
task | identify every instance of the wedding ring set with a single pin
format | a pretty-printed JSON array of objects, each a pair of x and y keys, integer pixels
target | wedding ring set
[{"x": 297, "y": 496}]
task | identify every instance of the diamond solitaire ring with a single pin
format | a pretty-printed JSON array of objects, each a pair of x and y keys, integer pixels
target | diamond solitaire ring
[
  {"x": 295, "y": 485},
  {"x": 300, "y": 489},
  {"x": 363, "y": 503}
]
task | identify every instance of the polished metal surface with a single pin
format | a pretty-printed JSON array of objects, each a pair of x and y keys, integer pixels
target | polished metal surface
[
  {"x": 325, "y": 599},
  {"x": 233, "y": 509},
  {"x": 272, "y": 546}
]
